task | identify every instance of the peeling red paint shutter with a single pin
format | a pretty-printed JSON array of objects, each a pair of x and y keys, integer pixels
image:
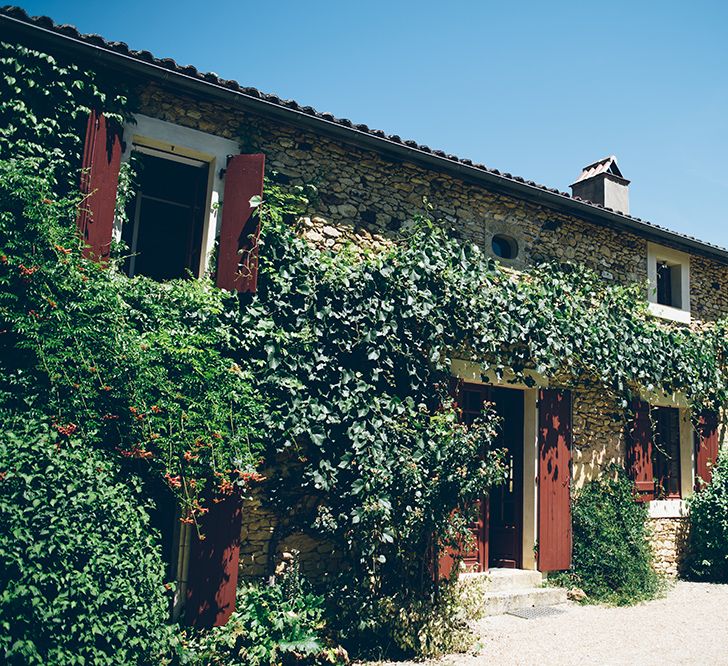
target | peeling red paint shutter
[
  {"x": 639, "y": 451},
  {"x": 237, "y": 266},
  {"x": 213, "y": 572},
  {"x": 99, "y": 182},
  {"x": 706, "y": 448},
  {"x": 554, "y": 480}
]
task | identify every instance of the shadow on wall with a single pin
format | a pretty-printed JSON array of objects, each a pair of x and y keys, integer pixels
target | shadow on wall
[{"x": 598, "y": 435}]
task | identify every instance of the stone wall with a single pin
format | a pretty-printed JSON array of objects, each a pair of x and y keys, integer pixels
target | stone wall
[
  {"x": 259, "y": 534},
  {"x": 598, "y": 428},
  {"x": 257, "y": 531},
  {"x": 668, "y": 538},
  {"x": 366, "y": 198}
]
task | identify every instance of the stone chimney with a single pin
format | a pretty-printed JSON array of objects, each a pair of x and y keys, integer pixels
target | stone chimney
[{"x": 602, "y": 183}]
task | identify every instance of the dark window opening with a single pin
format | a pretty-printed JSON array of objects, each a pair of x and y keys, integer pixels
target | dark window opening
[
  {"x": 504, "y": 247},
  {"x": 669, "y": 284},
  {"x": 164, "y": 233},
  {"x": 666, "y": 451},
  {"x": 664, "y": 284}
]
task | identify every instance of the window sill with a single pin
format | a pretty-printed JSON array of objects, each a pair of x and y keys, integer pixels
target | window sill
[
  {"x": 670, "y": 313},
  {"x": 667, "y": 508}
]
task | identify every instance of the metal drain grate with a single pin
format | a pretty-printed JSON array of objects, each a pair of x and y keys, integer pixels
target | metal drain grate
[{"x": 534, "y": 612}]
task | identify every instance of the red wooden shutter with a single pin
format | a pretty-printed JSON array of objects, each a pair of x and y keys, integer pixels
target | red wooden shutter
[
  {"x": 639, "y": 451},
  {"x": 554, "y": 480},
  {"x": 706, "y": 448},
  {"x": 213, "y": 571},
  {"x": 237, "y": 266},
  {"x": 99, "y": 182}
]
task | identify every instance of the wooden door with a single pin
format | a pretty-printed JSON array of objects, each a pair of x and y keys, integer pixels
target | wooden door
[
  {"x": 213, "y": 569},
  {"x": 505, "y": 502},
  {"x": 639, "y": 442},
  {"x": 554, "y": 480},
  {"x": 471, "y": 398},
  {"x": 237, "y": 262},
  {"x": 99, "y": 183}
]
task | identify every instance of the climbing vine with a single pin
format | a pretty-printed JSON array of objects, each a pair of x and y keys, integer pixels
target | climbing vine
[
  {"x": 139, "y": 368},
  {"x": 354, "y": 349},
  {"x": 333, "y": 382}
]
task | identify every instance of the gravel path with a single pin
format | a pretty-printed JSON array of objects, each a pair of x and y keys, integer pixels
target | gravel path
[{"x": 689, "y": 626}]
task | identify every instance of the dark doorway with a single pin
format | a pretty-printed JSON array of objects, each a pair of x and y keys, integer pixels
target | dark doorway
[
  {"x": 166, "y": 218},
  {"x": 505, "y": 502},
  {"x": 498, "y": 523}
]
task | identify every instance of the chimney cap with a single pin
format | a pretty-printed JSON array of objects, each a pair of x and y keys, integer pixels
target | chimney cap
[{"x": 607, "y": 166}]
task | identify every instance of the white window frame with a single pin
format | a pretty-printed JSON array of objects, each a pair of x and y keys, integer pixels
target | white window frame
[
  {"x": 185, "y": 142},
  {"x": 657, "y": 253}
]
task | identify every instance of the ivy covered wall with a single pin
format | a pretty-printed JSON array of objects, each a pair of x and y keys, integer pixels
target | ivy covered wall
[{"x": 365, "y": 199}]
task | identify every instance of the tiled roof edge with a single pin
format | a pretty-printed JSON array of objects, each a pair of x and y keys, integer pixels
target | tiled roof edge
[{"x": 360, "y": 133}]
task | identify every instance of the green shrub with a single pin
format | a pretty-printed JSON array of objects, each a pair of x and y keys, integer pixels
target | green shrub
[
  {"x": 612, "y": 560},
  {"x": 282, "y": 623},
  {"x": 141, "y": 368},
  {"x": 707, "y": 552},
  {"x": 406, "y": 624},
  {"x": 81, "y": 578}
]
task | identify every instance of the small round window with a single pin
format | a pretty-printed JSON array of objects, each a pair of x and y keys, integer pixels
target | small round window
[{"x": 504, "y": 247}]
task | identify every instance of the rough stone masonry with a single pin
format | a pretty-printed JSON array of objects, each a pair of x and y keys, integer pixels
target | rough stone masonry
[{"x": 366, "y": 198}]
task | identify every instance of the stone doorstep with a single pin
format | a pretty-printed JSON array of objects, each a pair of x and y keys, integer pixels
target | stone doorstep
[
  {"x": 498, "y": 603},
  {"x": 500, "y": 580},
  {"x": 504, "y": 590}
]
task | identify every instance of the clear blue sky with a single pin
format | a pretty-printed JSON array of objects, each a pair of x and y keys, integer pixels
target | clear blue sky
[{"x": 539, "y": 89}]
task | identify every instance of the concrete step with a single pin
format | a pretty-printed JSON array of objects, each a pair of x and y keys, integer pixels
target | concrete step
[
  {"x": 497, "y": 603},
  {"x": 501, "y": 580}
]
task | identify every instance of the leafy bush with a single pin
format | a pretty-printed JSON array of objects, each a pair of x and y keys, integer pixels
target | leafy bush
[
  {"x": 612, "y": 560},
  {"x": 404, "y": 623},
  {"x": 81, "y": 577},
  {"x": 138, "y": 367},
  {"x": 707, "y": 552},
  {"x": 281, "y": 623}
]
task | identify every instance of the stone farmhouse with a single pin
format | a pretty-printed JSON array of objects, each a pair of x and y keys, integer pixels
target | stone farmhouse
[{"x": 204, "y": 141}]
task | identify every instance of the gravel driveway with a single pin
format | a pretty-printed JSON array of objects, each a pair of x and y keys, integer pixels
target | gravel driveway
[{"x": 689, "y": 626}]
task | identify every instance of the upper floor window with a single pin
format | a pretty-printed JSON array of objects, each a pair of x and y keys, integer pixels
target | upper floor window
[
  {"x": 668, "y": 272},
  {"x": 167, "y": 216}
]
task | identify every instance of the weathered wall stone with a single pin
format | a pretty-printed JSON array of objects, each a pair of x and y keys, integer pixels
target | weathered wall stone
[
  {"x": 257, "y": 531},
  {"x": 318, "y": 558},
  {"x": 668, "y": 538},
  {"x": 598, "y": 428}
]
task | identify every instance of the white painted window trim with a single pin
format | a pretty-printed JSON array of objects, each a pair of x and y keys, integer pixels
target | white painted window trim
[
  {"x": 667, "y": 508},
  {"x": 186, "y": 143},
  {"x": 657, "y": 253}
]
